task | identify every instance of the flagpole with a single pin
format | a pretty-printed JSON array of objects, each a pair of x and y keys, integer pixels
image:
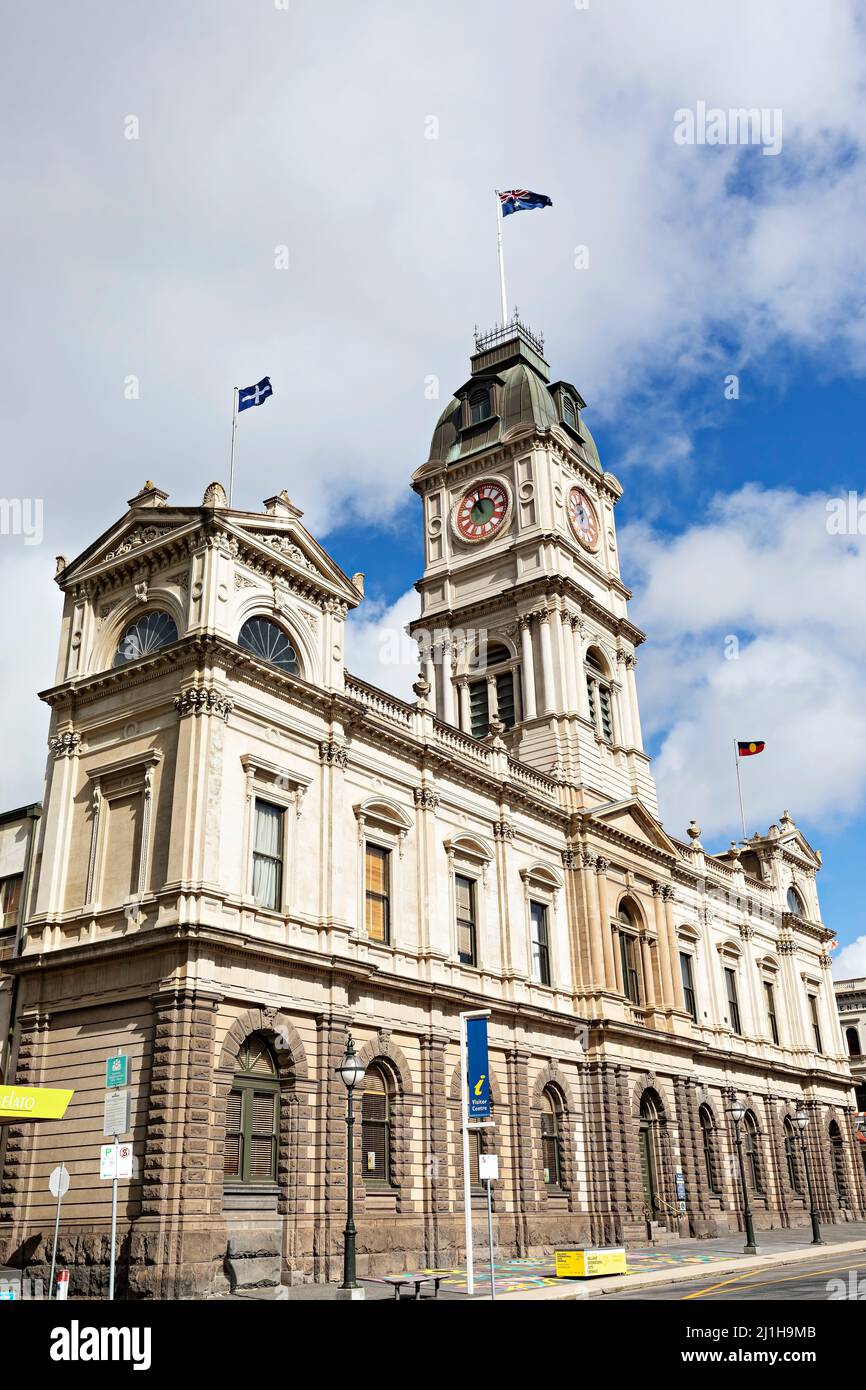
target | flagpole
[
  {"x": 739, "y": 788},
  {"x": 234, "y": 432},
  {"x": 501, "y": 260}
]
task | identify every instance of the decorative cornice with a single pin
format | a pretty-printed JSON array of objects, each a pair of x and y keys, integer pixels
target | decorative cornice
[
  {"x": 203, "y": 699},
  {"x": 66, "y": 745}
]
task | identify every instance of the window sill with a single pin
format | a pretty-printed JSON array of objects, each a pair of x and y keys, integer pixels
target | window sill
[{"x": 250, "y": 1196}]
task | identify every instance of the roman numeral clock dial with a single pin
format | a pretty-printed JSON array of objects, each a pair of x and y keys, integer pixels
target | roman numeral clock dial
[
  {"x": 582, "y": 519},
  {"x": 482, "y": 511}
]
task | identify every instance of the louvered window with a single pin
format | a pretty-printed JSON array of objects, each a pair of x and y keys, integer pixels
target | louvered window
[
  {"x": 464, "y": 892},
  {"x": 376, "y": 1128},
  {"x": 252, "y": 1111},
  {"x": 377, "y": 892},
  {"x": 599, "y": 697},
  {"x": 505, "y": 698},
  {"x": 479, "y": 711},
  {"x": 550, "y": 1141}
]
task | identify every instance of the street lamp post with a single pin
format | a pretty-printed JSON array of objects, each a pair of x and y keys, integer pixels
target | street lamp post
[
  {"x": 802, "y": 1119},
  {"x": 351, "y": 1073},
  {"x": 737, "y": 1112}
]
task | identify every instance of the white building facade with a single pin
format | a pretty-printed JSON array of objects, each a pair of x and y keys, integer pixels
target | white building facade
[{"x": 245, "y": 851}]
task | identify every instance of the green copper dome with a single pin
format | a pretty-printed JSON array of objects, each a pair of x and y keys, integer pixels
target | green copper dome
[{"x": 508, "y": 365}]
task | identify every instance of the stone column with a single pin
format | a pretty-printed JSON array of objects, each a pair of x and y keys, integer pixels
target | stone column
[
  {"x": 677, "y": 997},
  {"x": 663, "y": 938},
  {"x": 590, "y": 896},
  {"x": 580, "y": 675},
  {"x": 330, "y": 1195},
  {"x": 465, "y": 711},
  {"x": 448, "y": 713},
  {"x": 612, "y": 964},
  {"x": 625, "y": 731},
  {"x": 630, "y": 663},
  {"x": 435, "y": 1158},
  {"x": 548, "y": 681},
  {"x": 525, "y": 624},
  {"x": 571, "y": 700},
  {"x": 521, "y": 1143}
]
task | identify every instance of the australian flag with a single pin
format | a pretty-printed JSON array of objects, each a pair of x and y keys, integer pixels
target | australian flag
[
  {"x": 520, "y": 199},
  {"x": 254, "y": 395}
]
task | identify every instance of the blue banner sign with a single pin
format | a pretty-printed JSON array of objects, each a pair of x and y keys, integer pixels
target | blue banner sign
[{"x": 478, "y": 1069}]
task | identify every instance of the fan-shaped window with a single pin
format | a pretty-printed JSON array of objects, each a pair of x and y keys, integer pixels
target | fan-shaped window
[
  {"x": 795, "y": 903},
  {"x": 852, "y": 1038},
  {"x": 251, "y": 1116},
  {"x": 708, "y": 1140},
  {"x": 551, "y": 1151},
  {"x": 145, "y": 636},
  {"x": 269, "y": 643},
  {"x": 497, "y": 654},
  {"x": 479, "y": 407},
  {"x": 376, "y": 1127}
]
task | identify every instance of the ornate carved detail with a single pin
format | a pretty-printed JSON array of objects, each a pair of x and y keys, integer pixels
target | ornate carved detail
[
  {"x": 669, "y": 892},
  {"x": 65, "y": 745},
  {"x": 787, "y": 948},
  {"x": 203, "y": 699},
  {"x": 142, "y": 535},
  {"x": 503, "y": 830},
  {"x": 602, "y": 865},
  {"x": 825, "y": 961},
  {"x": 286, "y": 547},
  {"x": 746, "y": 932},
  {"x": 426, "y": 799},
  {"x": 311, "y": 619},
  {"x": 658, "y": 889},
  {"x": 105, "y": 609},
  {"x": 587, "y": 859},
  {"x": 524, "y": 621},
  {"x": 244, "y": 581},
  {"x": 334, "y": 754},
  {"x": 569, "y": 859}
]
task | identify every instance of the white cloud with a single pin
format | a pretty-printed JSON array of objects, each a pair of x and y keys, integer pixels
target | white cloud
[
  {"x": 850, "y": 963},
  {"x": 378, "y": 648},
  {"x": 756, "y": 620}
]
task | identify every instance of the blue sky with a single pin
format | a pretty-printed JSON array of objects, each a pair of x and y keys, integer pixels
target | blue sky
[{"x": 316, "y": 203}]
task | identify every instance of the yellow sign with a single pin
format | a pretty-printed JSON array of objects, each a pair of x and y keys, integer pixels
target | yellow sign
[
  {"x": 582, "y": 1264},
  {"x": 33, "y": 1103}
]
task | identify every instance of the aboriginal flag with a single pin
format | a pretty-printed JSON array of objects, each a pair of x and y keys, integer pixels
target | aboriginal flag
[{"x": 750, "y": 747}]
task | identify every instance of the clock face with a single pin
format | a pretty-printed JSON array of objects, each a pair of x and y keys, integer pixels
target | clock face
[
  {"x": 482, "y": 511},
  {"x": 581, "y": 515}
]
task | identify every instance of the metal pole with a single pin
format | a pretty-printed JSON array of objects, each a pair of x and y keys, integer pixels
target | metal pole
[
  {"x": 813, "y": 1215},
  {"x": 467, "y": 1198},
  {"x": 750, "y": 1246},
  {"x": 501, "y": 259},
  {"x": 113, "y": 1223},
  {"x": 56, "y": 1231},
  {"x": 349, "y": 1280},
  {"x": 490, "y": 1238},
  {"x": 235, "y": 390},
  {"x": 739, "y": 788}
]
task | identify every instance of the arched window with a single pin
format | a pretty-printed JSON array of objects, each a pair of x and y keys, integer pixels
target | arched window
[
  {"x": 503, "y": 689},
  {"x": 795, "y": 903},
  {"x": 852, "y": 1038},
  {"x": 600, "y": 697},
  {"x": 791, "y": 1156},
  {"x": 146, "y": 635},
  {"x": 376, "y": 1127},
  {"x": 751, "y": 1145},
  {"x": 479, "y": 407},
  {"x": 269, "y": 643},
  {"x": 837, "y": 1154},
  {"x": 628, "y": 950},
  {"x": 708, "y": 1141},
  {"x": 551, "y": 1151},
  {"x": 252, "y": 1115}
]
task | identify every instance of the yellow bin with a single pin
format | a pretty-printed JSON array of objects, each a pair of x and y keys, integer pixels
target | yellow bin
[{"x": 582, "y": 1264}]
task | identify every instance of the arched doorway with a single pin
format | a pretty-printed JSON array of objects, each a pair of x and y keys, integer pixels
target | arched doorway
[
  {"x": 837, "y": 1154},
  {"x": 648, "y": 1141}
]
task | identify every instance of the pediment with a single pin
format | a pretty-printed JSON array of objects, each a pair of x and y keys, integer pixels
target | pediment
[
  {"x": 140, "y": 533},
  {"x": 632, "y": 818}
]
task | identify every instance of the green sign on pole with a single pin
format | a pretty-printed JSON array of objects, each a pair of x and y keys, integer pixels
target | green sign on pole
[{"x": 117, "y": 1070}]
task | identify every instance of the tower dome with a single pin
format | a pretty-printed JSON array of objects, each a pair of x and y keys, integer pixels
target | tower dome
[{"x": 509, "y": 392}]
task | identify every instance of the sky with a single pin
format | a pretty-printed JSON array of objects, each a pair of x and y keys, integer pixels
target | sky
[{"x": 200, "y": 194}]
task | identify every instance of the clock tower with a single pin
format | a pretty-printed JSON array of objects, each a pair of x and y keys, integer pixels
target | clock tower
[{"x": 524, "y": 629}]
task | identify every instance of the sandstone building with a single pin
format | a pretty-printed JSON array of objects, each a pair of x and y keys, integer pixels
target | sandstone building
[{"x": 243, "y": 850}]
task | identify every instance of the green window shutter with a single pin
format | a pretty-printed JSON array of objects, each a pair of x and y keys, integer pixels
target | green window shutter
[
  {"x": 233, "y": 1155},
  {"x": 479, "y": 714}
]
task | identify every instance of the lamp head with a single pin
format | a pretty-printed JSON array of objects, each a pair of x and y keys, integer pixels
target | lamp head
[
  {"x": 801, "y": 1118},
  {"x": 738, "y": 1110},
  {"x": 351, "y": 1069}
]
